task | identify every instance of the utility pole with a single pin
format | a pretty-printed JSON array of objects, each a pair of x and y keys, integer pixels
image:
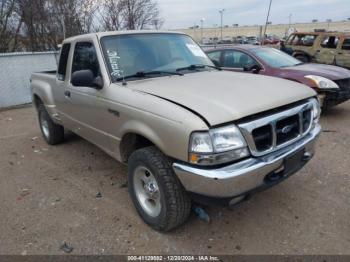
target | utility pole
[
  {"x": 221, "y": 14},
  {"x": 290, "y": 20},
  {"x": 202, "y": 21},
  {"x": 267, "y": 22},
  {"x": 63, "y": 27},
  {"x": 289, "y": 26}
]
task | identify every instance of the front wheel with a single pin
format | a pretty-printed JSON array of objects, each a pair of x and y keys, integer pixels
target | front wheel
[
  {"x": 302, "y": 58},
  {"x": 156, "y": 192}
]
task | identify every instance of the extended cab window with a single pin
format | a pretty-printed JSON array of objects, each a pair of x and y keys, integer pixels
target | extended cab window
[
  {"x": 330, "y": 42},
  {"x": 62, "y": 66},
  {"x": 346, "y": 44},
  {"x": 237, "y": 59},
  {"x": 85, "y": 58}
]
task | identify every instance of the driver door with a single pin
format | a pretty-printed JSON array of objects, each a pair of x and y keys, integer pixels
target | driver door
[
  {"x": 327, "y": 50},
  {"x": 81, "y": 101},
  {"x": 343, "y": 54}
]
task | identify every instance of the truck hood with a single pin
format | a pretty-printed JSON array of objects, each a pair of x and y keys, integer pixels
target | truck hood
[
  {"x": 327, "y": 71},
  {"x": 222, "y": 97}
]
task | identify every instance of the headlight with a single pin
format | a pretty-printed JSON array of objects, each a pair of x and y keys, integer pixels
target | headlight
[
  {"x": 316, "y": 110},
  {"x": 322, "y": 82},
  {"x": 219, "y": 145}
]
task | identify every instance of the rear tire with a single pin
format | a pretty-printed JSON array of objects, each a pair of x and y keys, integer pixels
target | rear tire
[
  {"x": 52, "y": 133},
  {"x": 159, "y": 197}
]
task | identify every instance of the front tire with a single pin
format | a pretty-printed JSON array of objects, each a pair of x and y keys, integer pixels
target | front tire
[
  {"x": 155, "y": 190},
  {"x": 302, "y": 58},
  {"x": 52, "y": 133}
]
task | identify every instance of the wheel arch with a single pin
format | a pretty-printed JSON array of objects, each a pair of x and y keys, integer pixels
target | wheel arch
[{"x": 131, "y": 142}]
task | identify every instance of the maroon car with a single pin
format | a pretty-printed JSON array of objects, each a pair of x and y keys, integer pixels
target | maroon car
[{"x": 331, "y": 82}]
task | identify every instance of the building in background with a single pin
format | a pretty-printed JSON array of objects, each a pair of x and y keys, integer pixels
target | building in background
[{"x": 280, "y": 30}]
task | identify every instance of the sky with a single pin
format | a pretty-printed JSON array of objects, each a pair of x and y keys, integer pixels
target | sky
[{"x": 179, "y": 14}]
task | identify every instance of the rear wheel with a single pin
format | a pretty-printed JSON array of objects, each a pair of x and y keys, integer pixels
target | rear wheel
[
  {"x": 52, "y": 133},
  {"x": 156, "y": 192}
]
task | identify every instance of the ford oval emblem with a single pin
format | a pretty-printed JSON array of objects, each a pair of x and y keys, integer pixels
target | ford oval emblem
[{"x": 287, "y": 129}]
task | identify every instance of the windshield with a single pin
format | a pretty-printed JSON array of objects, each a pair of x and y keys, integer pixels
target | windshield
[
  {"x": 128, "y": 55},
  {"x": 275, "y": 58}
]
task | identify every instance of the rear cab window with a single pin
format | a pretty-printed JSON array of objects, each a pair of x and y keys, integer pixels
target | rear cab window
[
  {"x": 85, "y": 58},
  {"x": 62, "y": 65}
]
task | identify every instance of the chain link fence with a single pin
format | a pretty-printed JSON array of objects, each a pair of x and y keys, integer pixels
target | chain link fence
[{"x": 15, "y": 72}]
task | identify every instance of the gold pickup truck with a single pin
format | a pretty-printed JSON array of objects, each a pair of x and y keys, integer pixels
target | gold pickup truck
[
  {"x": 187, "y": 130},
  {"x": 332, "y": 48}
]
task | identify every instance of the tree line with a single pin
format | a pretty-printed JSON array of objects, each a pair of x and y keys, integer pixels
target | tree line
[{"x": 40, "y": 25}]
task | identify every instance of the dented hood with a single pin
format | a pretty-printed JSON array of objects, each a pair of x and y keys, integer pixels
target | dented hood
[{"x": 222, "y": 97}]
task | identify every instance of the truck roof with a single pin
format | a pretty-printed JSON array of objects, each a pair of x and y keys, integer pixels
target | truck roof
[{"x": 112, "y": 33}]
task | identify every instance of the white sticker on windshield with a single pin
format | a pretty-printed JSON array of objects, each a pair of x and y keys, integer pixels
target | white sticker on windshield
[
  {"x": 196, "y": 50},
  {"x": 113, "y": 60}
]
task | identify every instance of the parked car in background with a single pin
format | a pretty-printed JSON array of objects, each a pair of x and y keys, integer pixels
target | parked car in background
[
  {"x": 186, "y": 129},
  {"x": 253, "y": 40},
  {"x": 240, "y": 40},
  {"x": 331, "y": 82},
  {"x": 332, "y": 48},
  {"x": 271, "y": 40}
]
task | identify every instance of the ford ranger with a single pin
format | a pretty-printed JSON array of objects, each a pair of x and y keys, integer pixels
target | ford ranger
[{"x": 187, "y": 130}]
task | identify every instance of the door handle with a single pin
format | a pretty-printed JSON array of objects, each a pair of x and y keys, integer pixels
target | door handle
[{"x": 67, "y": 94}]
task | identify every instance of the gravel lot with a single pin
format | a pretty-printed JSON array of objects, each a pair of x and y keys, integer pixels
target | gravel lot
[{"x": 48, "y": 196}]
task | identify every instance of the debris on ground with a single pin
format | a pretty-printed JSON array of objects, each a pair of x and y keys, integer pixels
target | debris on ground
[
  {"x": 66, "y": 248},
  {"x": 9, "y": 119},
  {"x": 24, "y": 192},
  {"x": 201, "y": 213},
  {"x": 34, "y": 138},
  {"x": 37, "y": 151},
  {"x": 99, "y": 195},
  {"x": 124, "y": 185},
  {"x": 329, "y": 131}
]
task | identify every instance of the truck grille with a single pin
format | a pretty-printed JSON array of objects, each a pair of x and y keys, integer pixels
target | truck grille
[{"x": 275, "y": 131}]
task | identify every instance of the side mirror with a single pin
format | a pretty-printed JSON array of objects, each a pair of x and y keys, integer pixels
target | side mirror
[
  {"x": 255, "y": 69},
  {"x": 86, "y": 78},
  {"x": 216, "y": 63}
]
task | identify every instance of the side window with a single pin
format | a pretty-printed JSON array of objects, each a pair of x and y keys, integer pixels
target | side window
[
  {"x": 346, "y": 44},
  {"x": 62, "y": 65},
  {"x": 330, "y": 42},
  {"x": 237, "y": 59},
  {"x": 304, "y": 40},
  {"x": 85, "y": 58},
  {"x": 215, "y": 56}
]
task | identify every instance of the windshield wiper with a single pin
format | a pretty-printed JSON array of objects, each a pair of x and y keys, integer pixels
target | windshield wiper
[
  {"x": 142, "y": 74},
  {"x": 195, "y": 67}
]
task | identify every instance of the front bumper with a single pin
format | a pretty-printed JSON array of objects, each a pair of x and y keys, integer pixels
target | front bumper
[
  {"x": 336, "y": 97},
  {"x": 246, "y": 176}
]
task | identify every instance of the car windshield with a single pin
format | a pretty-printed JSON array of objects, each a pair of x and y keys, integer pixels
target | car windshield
[
  {"x": 132, "y": 56},
  {"x": 275, "y": 58}
]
